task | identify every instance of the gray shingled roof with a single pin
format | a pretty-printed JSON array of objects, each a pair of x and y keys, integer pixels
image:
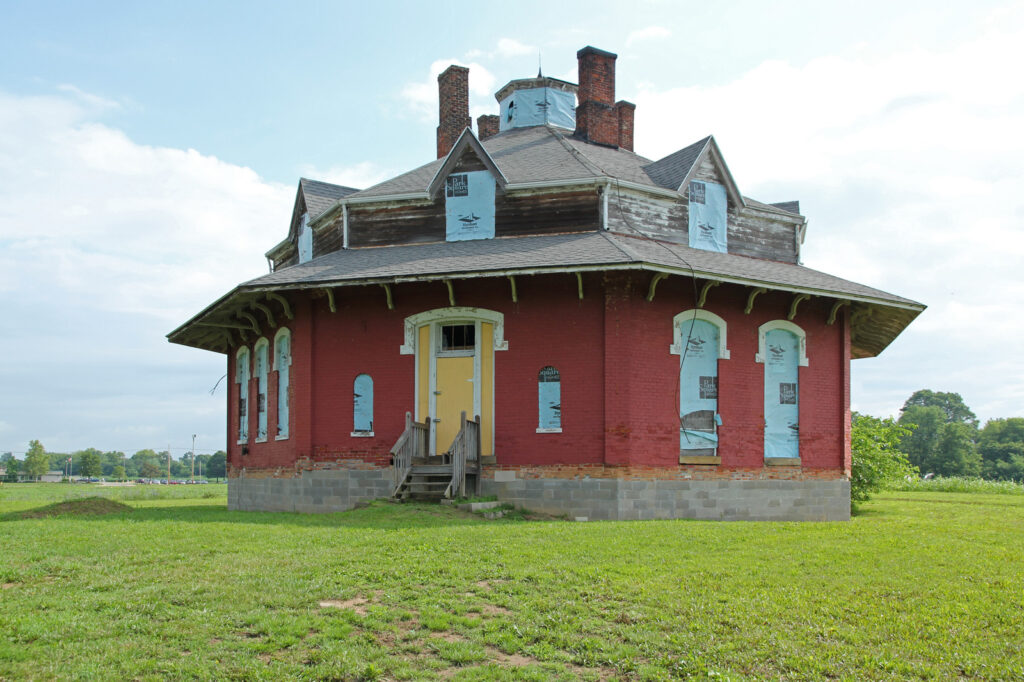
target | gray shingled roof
[
  {"x": 556, "y": 252},
  {"x": 535, "y": 154},
  {"x": 672, "y": 170},
  {"x": 320, "y": 196}
]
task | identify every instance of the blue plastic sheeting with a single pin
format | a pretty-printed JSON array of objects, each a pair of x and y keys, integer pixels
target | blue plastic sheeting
[
  {"x": 363, "y": 403},
  {"x": 538, "y": 106},
  {"x": 283, "y": 349},
  {"x": 362, "y": 419},
  {"x": 708, "y": 223},
  {"x": 242, "y": 379},
  {"x": 781, "y": 394},
  {"x": 698, "y": 384},
  {"x": 305, "y": 239},
  {"x": 469, "y": 206},
  {"x": 549, "y": 398},
  {"x": 261, "y": 390}
]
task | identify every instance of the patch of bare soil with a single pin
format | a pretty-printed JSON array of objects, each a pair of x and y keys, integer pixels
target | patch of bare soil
[
  {"x": 448, "y": 636},
  {"x": 87, "y": 506},
  {"x": 357, "y": 604},
  {"x": 494, "y": 610},
  {"x": 7, "y": 586}
]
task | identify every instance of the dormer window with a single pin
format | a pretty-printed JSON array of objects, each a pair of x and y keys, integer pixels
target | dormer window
[
  {"x": 708, "y": 221},
  {"x": 305, "y": 239},
  {"x": 469, "y": 206}
]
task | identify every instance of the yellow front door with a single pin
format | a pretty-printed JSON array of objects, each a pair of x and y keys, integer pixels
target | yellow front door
[
  {"x": 455, "y": 374},
  {"x": 454, "y": 391}
]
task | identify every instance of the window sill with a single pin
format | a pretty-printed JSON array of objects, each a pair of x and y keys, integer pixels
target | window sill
[
  {"x": 243, "y": 442},
  {"x": 700, "y": 459},
  {"x": 284, "y": 437},
  {"x": 558, "y": 430},
  {"x": 782, "y": 461},
  {"x": 362, "y": 434},
  {"x": 261, "y": 440}
]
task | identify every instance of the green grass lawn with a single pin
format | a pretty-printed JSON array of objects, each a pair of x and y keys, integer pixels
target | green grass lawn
[{"x": 172, "y": 585}]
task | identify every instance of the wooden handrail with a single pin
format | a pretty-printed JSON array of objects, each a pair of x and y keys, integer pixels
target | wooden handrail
[
  {"x": 413, "y": 443},
  {"x": 466, "y": 446}
]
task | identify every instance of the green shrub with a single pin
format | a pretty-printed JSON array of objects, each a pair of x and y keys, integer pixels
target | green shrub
[
  {"x": 957, "y": 484},
  {"x": 877, "y": 460}
]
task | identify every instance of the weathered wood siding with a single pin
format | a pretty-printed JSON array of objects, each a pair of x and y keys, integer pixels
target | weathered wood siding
[
  {"x": 751, "y": 232},
  {"x": 377, "y": 226},
  {"x": 523, "y": 214}
]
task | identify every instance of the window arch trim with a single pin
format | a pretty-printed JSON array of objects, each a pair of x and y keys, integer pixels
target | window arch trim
[
  {"x": 706, "y": 316},
  {"x": 282, "y": 333},
  {"x": 784, "y": 325},
  {"x": 414, "y": 322}
]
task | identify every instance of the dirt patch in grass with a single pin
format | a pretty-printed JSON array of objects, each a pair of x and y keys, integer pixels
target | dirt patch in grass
[
  {"x": 7, "y": 586},
  {"x": 87, "y": 506},
  {"x": 492, "y": 610},
  {"x": 357, "y": 604}
]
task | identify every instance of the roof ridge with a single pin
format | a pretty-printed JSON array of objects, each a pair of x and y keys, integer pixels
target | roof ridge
[{"x": 582, "y": 158}]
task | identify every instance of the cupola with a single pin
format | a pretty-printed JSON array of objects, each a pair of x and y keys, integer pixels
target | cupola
[{"x": 537, "y": 101}]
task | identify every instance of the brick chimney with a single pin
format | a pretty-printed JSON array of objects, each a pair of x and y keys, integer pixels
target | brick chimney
[
  {"x": 599, "y": 118},
  {"x": 453, "y": 100},
  {"x": 487, "y": 126},
  {"x": 624, "y": 112},
  {"x": 596, "y": 119}
]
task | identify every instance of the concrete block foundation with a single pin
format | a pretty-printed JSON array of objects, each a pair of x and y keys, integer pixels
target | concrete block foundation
[
  {"x": 314, "y": 491},
  {"x": 718, "y": 500}
]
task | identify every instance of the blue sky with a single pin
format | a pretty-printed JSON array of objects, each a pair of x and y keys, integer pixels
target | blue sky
[{"x": 149, "y": 155}]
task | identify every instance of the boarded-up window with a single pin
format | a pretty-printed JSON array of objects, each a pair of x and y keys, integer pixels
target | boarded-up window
[
  {"x": 708, "y": 216},
  {"x": 469, "y": 206},
  {"x": 242, "y": 379},
  {"x": 262, "y": 350},
  {"x": 362, "y": 419},
  {"x": 781, "y": 394},
  {"x": 698, "y": 387},
  {"x": 282, "y": 363},
  {"x": 305, "y": 239},
  {"x": 549, "y": 399}
]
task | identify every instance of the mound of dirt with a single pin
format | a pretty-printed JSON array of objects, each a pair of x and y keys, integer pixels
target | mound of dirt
[{"x": 87, "y": 506}]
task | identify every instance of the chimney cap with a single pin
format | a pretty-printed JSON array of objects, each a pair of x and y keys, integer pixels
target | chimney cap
[
  {"x": 453, "y": 66},
  {"x": 593, "y": 50}
]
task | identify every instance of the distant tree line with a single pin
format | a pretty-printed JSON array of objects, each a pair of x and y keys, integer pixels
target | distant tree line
[
  {"x": 113, "y": 465},
  {"x": 945, "y": 439}
]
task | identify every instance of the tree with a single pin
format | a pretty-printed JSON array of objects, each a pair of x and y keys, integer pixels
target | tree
[
  {"x": 12, "y": 465},
  {"x": 951, "y": 404},
  {"x": 150, "y": 470},
  {"x": 937, "y": 445},
  {"x": 216, "y": 467},
  {"x": 90, "y": 462},
  {"x": 37, "y": 462},
  {"x": 1001, "y": 446},
  {"x": 877, "y": 459},
  {"x": 119, "y": 473}
]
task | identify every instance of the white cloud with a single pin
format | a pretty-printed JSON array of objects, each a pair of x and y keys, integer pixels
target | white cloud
[
  {"x": 508, "y": 47},
  {"x": 105, "y": 246},
  {"x": 421, "y": 96},
  {"x": 359, "y": 175},
  {"x": 908, "y": 167},
  {"x": 644, "y": 35}
]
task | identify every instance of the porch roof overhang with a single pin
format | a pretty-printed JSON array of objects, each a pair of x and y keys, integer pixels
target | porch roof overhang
[{"x": 877, "y": 316}]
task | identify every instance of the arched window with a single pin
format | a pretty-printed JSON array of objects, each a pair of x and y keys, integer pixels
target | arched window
[
  {"x": 699, "y": 341},
  {"x": 261, "y": 369},
  {"x": 782, "y": 350},
  {"x": 282, "y": 363},
  {"x": 242, "y": 379},
  {"x": 549, "y": 400},
  {"x": 362, "y": 406}
]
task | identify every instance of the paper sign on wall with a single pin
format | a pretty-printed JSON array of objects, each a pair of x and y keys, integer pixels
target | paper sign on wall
[
  {"x": 549, "y": 398},
  {"x": 469, "y": 206},
  {"x": 708, "y": 221},
  {"x": 781, "y": 394}
]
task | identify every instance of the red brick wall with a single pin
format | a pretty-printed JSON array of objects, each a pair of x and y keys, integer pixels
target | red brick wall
[
  {"x": 597, "y": 119},
  {"x": 619, "y": 381},
  {"x": 453, "y": 107}
]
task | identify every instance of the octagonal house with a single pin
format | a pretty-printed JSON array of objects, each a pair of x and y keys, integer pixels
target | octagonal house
[{"x": 543, "y": 315}]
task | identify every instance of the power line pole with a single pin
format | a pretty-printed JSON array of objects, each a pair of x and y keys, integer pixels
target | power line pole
[
  {"x": 168, "y": 464},
  {"x": 193, "y": 458}
]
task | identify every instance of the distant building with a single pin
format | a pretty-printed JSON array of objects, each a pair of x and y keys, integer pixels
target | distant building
[{"x": 629, "y": 338}]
